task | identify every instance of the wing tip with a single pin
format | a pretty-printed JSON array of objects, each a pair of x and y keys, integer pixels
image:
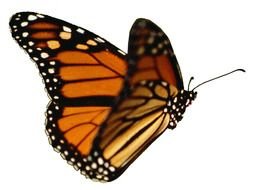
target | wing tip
[
  {"x": 24, "y": 16},
  {"x": 145, "y": 23}
]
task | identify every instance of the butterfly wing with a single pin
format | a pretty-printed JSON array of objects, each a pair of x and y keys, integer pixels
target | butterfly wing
[
  {"x": 83, "y": 75},
  {"x": 145, "y": 114},
  {"x": 151, "y": 54},
  {"x": 135, "y": 124}
]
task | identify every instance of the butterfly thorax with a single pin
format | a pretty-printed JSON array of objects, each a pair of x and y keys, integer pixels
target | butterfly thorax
[{"x": 177, "y": 104}]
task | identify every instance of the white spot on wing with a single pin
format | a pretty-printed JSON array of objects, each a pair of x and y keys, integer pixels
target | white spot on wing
[
  {"x": 67, "y": 29},
  {"x": 51, "y": 70},
  {"x": 30, "y": 43},
  {"x": 31, "y": 17},
  {"x": 52, "y": 62},
  {"x": 120, "y": 51},
  {"x": 23, "y": 24},
  {"x": 106, "y": 164},
  {"x": 80, "y": 30},
  {"x": 140, "y": 50},
  {"x": 143, "y": 82},
  {"x": 100, "y": 161},
  {"x": 154, "y": 51},
  {"x": 40, "y": 16},
  {"x": 164, "y": 83},
  {"x": 150, "y": 39},
  {"x": 25, "y": 34},
  {"x": 44, "y": 55},
  {"x": 98, "y": 39},
  {"x": 73, "y": 159},
  {"x": 151, "y": 84},
  {"x": 112, "y": 169},
  {"x": 160, "y": 45},
  {"x": 95, "y": 153}
]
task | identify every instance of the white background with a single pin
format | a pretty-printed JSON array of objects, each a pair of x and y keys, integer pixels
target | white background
[{"x": 218, "y": 144}]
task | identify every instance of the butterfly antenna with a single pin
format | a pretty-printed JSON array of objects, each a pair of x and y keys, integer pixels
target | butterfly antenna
[
  {"x": 218, "y": 77},
  {"x": 190, "y": 80}
]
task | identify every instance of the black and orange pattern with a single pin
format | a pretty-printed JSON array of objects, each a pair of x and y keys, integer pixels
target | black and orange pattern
[
  {"x": 150, "y": 49},
  {"x": 83, "y": 74},
  {"x": 106, "y": 107}
]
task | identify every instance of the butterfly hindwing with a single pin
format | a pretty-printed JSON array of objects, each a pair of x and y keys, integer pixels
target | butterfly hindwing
[
  {"x": 83, "y": 74},
  {"x": 136, "y": 123}
]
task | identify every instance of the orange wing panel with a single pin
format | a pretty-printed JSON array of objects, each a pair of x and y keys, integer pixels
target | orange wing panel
[
  {"x": 164, "y": 67},
  {"x": 74, "y": 57},
  {"x": 43, "y": 26},
  {"x": 85, "y": 72},
  {"x": 112, "y": 61}
]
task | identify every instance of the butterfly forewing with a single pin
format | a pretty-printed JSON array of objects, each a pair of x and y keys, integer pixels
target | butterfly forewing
[
  {"x": 83, "y": 74},
  {"x": 151, "y": 54}
]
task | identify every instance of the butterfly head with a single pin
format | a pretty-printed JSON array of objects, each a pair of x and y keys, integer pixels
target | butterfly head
[
  {"x": 190, "y": 96},
  {"x": 176, "y": 106}
]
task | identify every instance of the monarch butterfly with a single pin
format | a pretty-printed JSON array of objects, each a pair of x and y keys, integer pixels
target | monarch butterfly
[{"x": 106, "y": 107}]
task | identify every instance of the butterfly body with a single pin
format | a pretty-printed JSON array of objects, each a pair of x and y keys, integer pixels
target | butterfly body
[
  {"x": 176, "y": 106},
  {"x": 105, "y": 107}
]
